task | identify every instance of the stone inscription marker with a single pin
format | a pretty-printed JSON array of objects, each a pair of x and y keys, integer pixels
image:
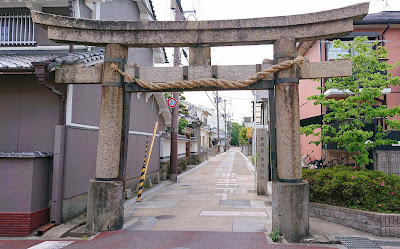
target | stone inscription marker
[
  {"x": 262, "y": 161},
  {"x": 290, "y": 194}
]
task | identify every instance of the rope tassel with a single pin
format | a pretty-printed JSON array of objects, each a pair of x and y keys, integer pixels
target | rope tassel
[{"x": 226, "y": 84}]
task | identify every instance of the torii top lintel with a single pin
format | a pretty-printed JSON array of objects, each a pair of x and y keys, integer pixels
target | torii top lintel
[{"x": 304, "y": 27}]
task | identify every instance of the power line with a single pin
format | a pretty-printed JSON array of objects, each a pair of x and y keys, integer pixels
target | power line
[
  {"x": 236, "y": 98},
  {"x": 211, "y": 100}
]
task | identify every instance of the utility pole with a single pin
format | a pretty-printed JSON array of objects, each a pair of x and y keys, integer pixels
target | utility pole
[
  {"x": 226, "y": 146},
  {"x": 216, "y": 102},
  {"x": 173, "y": 172}
]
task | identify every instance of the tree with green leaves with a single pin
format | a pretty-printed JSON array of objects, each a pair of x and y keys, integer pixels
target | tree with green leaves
[
  {"x": 182, "y": 123},
  {"x": 360, "y": 106},
  {"x": 235, "y": 129},
  {"x": 242, "y": 136}
]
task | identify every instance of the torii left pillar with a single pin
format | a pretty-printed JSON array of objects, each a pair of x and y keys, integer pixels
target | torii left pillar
[{"x": 105, "y": 209}]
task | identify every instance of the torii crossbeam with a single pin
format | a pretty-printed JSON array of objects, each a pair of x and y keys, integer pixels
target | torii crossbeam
[{"x": 290, "y": 194}]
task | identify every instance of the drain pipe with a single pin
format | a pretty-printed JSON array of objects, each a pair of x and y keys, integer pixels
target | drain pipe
[
  {"x": 42, "y": 73},
  {"x": 383, "y": 34}
]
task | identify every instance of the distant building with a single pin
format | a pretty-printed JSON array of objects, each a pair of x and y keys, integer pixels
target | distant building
[{"x": 198, "y": 117}]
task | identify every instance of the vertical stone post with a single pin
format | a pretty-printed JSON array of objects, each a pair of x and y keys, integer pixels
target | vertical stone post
[
  {"x": 200, "y": 56},
  {"x": 105, "y": 208},
  {"x": 290, "y": 194},
  {"x": 262, "y": 161}
]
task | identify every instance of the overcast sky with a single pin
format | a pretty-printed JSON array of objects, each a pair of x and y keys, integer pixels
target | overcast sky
[{"x": 239, "y": 9}]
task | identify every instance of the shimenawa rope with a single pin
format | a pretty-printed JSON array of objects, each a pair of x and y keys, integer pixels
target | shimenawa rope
[{"x": 298, "y": 61}]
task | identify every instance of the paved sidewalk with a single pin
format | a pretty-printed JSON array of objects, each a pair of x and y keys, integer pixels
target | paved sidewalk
[{"x": 219, "y": 196}]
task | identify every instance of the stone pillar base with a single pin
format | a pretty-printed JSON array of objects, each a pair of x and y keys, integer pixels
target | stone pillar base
[
  {"x": 105, "y": 208},
  {"x": 290, "y": 210},
  {"x": 173, "y": 177}
]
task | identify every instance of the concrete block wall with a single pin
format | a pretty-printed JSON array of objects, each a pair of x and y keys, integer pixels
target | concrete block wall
[
  {"x": 246, "y": 149},
  {"x": 385, "y": 225},
  {"x": 330, "y": 154},
  {"x": 387, "y": 161}
]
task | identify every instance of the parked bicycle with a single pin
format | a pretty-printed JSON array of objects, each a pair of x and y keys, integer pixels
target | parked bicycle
[
  {"x": 307, "y": 159},
  {"x": 320, "y": 163}
]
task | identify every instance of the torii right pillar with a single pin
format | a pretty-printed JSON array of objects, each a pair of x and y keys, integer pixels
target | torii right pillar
[{"x": 290, "y": 196}]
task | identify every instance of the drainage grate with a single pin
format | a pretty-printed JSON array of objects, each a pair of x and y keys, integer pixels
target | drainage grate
[
  {"x": 386, "y": 243},
  {"x": 234, "y": 202},
  {"x": 164, "y": 217},
  {"x": 358, "y": 243}
]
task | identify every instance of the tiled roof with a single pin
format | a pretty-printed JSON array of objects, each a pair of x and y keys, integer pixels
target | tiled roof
[
  {"x": 25, "y": 154},
  {"x": 384, "y": 17},
  {"x": 25, "y": 60}
]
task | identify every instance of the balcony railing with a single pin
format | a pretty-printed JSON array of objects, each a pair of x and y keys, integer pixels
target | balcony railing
[{"x": 16, "y": 30}]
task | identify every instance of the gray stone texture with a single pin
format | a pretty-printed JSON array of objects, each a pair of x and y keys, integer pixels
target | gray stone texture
[
  {"x": 385, "y": 225},
  {"x": 111, "y": 112},
  {"x": 309, "y": 70},
  {"x": 262, "y": 161},
  {"x": 73, "y": 207},
  {"x": 290, "y": 210},
  {"x": 287, "y": 116},
  {"x": 200, "y": 56},
  {"x": 303, "y": 27},
  {"x": 106, "y": 205}
]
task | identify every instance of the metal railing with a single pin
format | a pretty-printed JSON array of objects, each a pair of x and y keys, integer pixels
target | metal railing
[{"x": 17, "y": 30}]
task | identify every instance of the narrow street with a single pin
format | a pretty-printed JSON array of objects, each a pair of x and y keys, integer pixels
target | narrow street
[
  {"x": 212, "y": 206},
  {"x": 218, "y": 196}
]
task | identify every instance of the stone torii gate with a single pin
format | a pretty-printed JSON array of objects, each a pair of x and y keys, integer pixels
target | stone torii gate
[{"x": 290, "y": 194}]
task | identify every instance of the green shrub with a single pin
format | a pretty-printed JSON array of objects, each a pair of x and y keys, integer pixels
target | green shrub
[
  {"x": 369, "y": 190},
  {"x": 275, "y": 236},
  {"x": 252, "y": 158}
]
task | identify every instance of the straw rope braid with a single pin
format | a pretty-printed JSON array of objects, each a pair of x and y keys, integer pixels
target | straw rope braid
[{"x": 298, "y": 61}]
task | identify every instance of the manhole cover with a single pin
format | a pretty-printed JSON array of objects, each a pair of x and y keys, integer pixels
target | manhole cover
[
  {"x": 164, "y": 217},
  {"x": 186, "y": 185},
  {"x": 358, "y": 243}
]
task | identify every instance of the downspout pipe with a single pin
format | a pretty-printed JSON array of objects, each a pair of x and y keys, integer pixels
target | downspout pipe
[
  {"x": 42, "y": 73},
  {"x": 383, "y": 34}
]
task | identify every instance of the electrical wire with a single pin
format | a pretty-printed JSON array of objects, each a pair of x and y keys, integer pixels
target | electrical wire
[
  {"x": 236, "y": 98},
  {"x": 211, "y": 100}
]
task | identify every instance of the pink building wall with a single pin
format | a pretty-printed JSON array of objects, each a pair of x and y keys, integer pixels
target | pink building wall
[
  {"x": 308, "y": 87},
  {"x": 307, "y": 108}
]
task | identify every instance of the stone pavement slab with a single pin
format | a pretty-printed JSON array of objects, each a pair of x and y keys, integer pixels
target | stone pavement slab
[
  {"x": 177, "y": 212},
  {"x": 143, "y": 223},
  {"x": 157, "y": 204},
  {"x": 207, "y": 199},
  {"x": 195, "y": 224},
  {"x": 233, "y": 213},
  {"x": 125, "y": 239},
  {"x": 241, "y": 224},
  {"x": 197, "y": 197}
]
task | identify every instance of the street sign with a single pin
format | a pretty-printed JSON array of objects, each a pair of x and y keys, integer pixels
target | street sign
[
  {"x": 172, "y": 102},
  {"x": 248, "y": 132}
]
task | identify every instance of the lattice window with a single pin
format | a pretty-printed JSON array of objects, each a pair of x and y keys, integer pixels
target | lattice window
[{"x": 17, "y": 29}]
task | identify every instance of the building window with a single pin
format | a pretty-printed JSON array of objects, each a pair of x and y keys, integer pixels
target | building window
[
  {"x": 17, "y": 30},
  {"x": 333, "y": 53}
]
